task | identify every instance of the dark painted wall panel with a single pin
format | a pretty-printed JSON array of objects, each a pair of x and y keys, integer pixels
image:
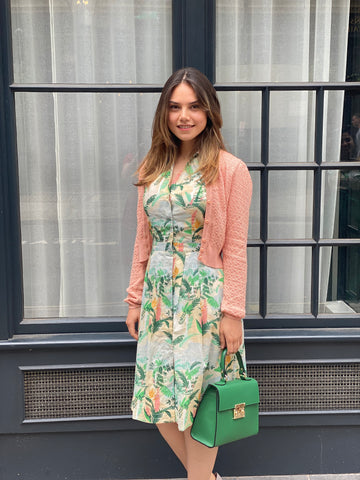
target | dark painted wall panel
[
  {"x": 144, "y": 454},
  {"x": 115, "y": 448}
]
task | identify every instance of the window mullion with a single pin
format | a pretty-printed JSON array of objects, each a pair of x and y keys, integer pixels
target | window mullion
[
  {"x": 194, "y": 35},
  {"x": 315, "y": 276},
  {"x": 264, "y": 198},
  {"x": 11, "y": 299}
]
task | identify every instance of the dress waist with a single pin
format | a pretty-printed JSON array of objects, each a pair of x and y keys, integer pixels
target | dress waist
[{"x": 170, "y": 247}]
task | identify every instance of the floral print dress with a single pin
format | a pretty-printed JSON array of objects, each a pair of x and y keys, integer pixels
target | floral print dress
[{"x": 178, "y": 348}]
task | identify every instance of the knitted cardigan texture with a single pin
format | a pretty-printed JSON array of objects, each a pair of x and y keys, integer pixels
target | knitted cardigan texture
[{"x": 224, "y": 237}]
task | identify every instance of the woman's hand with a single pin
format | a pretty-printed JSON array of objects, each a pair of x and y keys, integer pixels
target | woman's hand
[
  {"x": 132, "y": 322},
  {"x": 231, "y": 334}
]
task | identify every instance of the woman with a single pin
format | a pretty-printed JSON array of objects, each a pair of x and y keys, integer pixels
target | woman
[{"x": 187, "y": 287}]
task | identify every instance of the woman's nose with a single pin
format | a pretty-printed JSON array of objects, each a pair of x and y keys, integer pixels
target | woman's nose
[{"x": 184, "y": 113}]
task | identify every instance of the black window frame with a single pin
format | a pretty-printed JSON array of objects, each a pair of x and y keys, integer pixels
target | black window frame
[
  {"x": 193, "y": 24},
  {"x": 313, "y": 319}
]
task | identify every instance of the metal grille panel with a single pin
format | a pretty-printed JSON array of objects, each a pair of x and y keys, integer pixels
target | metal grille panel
[
  {"x": 308, "y": 387},
  {"x": 99, "y": 392},
  {"x": 85, "y": 392}
]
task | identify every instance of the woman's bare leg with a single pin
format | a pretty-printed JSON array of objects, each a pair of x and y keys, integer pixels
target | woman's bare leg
[
  {"x": 175, "y": 439},
  {"x": 196, "y": 458},
  {"x": 200, "y": 459}
]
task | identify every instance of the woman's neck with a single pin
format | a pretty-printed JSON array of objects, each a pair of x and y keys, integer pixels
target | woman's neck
[{"x": 185, "y": 151}]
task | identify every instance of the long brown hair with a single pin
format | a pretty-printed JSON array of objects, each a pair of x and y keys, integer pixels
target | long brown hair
[{"x": 164, "y": 143}]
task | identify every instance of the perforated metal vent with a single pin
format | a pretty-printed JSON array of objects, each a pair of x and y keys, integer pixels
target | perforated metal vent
[
  {"x": 68, "y": 393},
  {"x": 98, "y": 392},
  {"x": 308, "y": 387}
]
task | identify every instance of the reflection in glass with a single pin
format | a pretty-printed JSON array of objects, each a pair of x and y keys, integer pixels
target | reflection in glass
[
  {"x": 253, "y": 286},
  {"x": 340, "y": 211},
  {"x": 350, "y": 136},
  {"x": 77, "y": 154},
  {"x": 290, "y": 204},
  {"x": 339, "y": 280},
  {"x": 355, "y": 123},
  {"x": 289, "y": 280},
  {"x": 292, "y": 127},
  {"x": 241, "y": 113},
  {"x": 93, "y": 41}
]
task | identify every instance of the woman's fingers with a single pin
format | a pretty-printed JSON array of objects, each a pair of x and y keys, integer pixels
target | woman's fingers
[
  {"x": 233, "y": 347},
  {"x": 132, "y": 322},
  {"x": 132, "y": 331},
  {"x": 231, "y": 334},
  {"x": 222, "y": 339}
]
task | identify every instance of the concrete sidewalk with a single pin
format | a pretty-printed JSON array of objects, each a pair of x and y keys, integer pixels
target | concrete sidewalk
[
  {"x": 343, "y": 476},
  {"x": 347, "y": 476}
]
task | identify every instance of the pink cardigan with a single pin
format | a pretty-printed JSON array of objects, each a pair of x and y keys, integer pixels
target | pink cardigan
[{"x": 224, "y": 236}]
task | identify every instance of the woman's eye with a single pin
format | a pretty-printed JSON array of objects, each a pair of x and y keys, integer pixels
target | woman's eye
[
  {"x": 173, "y": 107},
  {"x": 195, "y": 107}
]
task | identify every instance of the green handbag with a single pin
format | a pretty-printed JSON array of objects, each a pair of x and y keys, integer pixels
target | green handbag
[{"x": 229, "y": 410}]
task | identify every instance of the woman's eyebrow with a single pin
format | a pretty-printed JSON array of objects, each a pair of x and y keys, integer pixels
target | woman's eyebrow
[{"x": 176, "y": 103}]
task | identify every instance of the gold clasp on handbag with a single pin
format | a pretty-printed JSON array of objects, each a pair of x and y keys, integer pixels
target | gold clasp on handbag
[{"x": 239, "y": 411}]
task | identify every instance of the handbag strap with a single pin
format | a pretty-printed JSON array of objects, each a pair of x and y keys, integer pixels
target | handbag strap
[{"x": 222, "y": 365}]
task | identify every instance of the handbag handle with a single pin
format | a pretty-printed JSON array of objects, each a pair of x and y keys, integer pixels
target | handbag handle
[{"x": 222, "y": 365}]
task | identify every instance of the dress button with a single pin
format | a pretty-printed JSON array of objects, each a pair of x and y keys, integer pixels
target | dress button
[
  {"x": 203, "y": 240},
  {"x": 206, "y": 221}
]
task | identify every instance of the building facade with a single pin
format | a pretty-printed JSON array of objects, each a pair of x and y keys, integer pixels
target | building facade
[{"x": 80, "y": 80}]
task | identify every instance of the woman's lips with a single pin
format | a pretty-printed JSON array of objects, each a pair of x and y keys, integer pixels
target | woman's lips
[{"x": 185, "y": 127}]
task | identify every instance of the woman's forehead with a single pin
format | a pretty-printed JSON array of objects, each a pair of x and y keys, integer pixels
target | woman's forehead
[{"x": 183, "y": 93}]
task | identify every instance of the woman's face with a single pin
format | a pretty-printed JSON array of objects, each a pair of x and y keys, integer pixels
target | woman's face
[{"x": 186, "y": 120}]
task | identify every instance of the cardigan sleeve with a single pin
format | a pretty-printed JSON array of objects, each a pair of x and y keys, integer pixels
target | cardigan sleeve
[
  {"x": 139, "y": 264},
  {"x": 235, "y": 245}
]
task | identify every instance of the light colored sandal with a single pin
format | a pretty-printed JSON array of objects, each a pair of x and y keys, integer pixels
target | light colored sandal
[{"x": 217, "y": 476}]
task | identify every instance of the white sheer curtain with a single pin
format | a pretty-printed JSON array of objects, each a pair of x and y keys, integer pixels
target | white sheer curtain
[
  {"x": 276, "y": 41},
  {"x": 77, "y": 151}
]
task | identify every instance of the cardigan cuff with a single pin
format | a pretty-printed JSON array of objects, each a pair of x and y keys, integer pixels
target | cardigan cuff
[
  {"x": 132, "y": 304},
  {"x": 233, "y": 317}
]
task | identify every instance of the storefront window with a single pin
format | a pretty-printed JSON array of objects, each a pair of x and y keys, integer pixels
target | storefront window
[
  {"x": 339, "y": 286},
  {"x": 297, "y": 42},
  {"x": 290, "y": 204},
  {"x": 289, "y": 280},
  {"x": 242, "y": 124},
  {"x": 91, "y": 41},
  {"x": 77, "y": 152}
]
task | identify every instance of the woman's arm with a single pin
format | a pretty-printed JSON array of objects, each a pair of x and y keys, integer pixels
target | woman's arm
[
  {"x": 235, "y": 259},
  {"x": 138, "y": 267}
]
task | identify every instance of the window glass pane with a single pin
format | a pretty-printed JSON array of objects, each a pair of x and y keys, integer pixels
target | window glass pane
[
  {"x": 344, "y": 143},
  {"x": 289, "y": 280},
  {"x": 254, "y": 222},
  {"x": 336, "y": 129},
  {"x": 292, "y": 127},
  {"x": 353, "y": 53},
  {"x": 290, "y": 204},
  {"x": 92, "y": 41},
  {"x": 262, "y": 41},
  {"x": 77, "y": 154},
  {"x": 349, "y": 137},
  {"x": 340, "y": 213},
  {"x": 253, "y": 286},
  {"x": 241, "y": 113},
  {"x": 339, "y": 280}
]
